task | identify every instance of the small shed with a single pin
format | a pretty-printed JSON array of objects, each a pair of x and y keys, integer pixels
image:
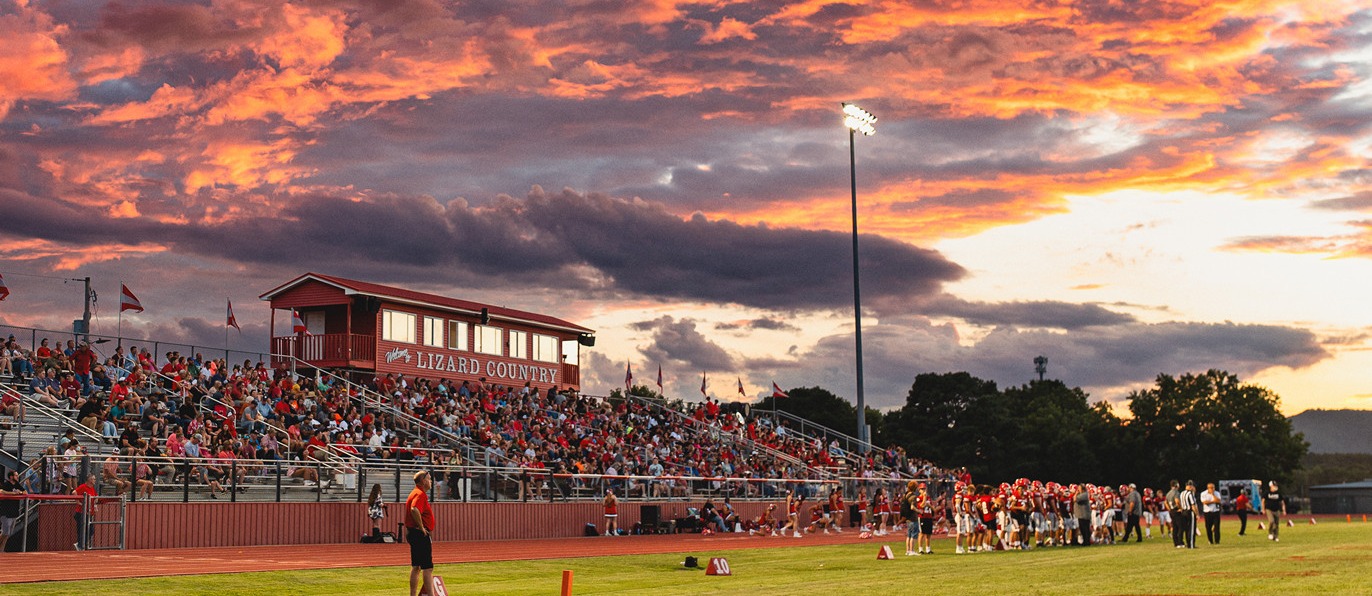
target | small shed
[{"x": 1346, "y": 498}]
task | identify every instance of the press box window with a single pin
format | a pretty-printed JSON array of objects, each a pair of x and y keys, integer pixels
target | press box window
[
  {"x": 397, "y": 326},
  {"x": 433, "y": 332},
  {"x": 487, "y": 340},
  {"x": 457, "y": 335},
  {"x": 545, "y": 348},
  {"x": 519, "y": 344}
]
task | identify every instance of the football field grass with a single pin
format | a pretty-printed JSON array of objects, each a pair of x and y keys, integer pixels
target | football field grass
[{"x": 1329, "y": 558}]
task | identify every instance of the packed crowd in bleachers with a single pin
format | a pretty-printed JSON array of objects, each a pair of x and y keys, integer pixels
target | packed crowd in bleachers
[{"x": 214, "y": 412}]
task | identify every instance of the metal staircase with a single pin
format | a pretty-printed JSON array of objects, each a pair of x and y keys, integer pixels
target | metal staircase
[
  {"x": 38, "y": 426},
  {"x": 715, "y": 433}
]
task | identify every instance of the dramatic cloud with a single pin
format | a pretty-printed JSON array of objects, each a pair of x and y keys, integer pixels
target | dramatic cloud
[
  {"x": 1107, "y": 361},
  {"x": 764, "y": 323},
  {"x": 678, "y": 341},
  {"x": 1061, "y": 315},
  {"x": 217, "y": 148},
  {"x": 1358, "y": 202},
  {"x": 989, "y": 115},
  {"x": 583, "y": 242}
]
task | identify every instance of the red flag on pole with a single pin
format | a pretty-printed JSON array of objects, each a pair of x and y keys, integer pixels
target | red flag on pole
[
  {"x": 702, "y": 384},
  {"x": 777, "y": 393},
  {"x": 659, "y": 378},
  {"x": 4, "y": 289},
  {"x": 127, "y": 301},
  {"x": 628, "y": 376},
  {"x": 297, "y": 323},
  {"x": 233, "y": 322},
  {"x": 740, "y": 387}
]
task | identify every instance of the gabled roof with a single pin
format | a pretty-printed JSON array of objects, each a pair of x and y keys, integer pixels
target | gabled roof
[{"x": 353, "y": 287}]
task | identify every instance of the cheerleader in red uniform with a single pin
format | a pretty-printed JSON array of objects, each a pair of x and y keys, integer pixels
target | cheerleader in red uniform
[
  {"x": 611, "y": 505},
  {"x": 793, "y": 504},
  {"x": 882, "y": 506}
]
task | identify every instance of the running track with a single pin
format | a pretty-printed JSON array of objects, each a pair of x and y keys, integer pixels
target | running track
[{"x": 114, "y": 564}]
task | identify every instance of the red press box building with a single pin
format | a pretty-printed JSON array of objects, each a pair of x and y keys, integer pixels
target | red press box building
[{"x": 370, "y": 329}]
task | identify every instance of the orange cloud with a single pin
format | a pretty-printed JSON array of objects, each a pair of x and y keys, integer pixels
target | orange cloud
[
  {"x": 124, "y": 209},
  {"x": 33, "y": 64},
  {"x": 67, "y": 257},
  {"x": 93, "y": 68},
  {"x": 244, "y": 164},
  {"x": 1163, "y": 71},
  {"x": 167, "y": 100},
  {"x": 1291, "y": 245},
  {"x": 728, "y": 28},
  {"x": 308, "y": 40}
]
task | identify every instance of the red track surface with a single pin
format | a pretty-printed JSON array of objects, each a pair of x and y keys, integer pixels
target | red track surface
[{"x": 33, "y": 567}]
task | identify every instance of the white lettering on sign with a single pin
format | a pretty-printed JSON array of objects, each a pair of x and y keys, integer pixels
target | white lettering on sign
[
  {"x": 474, "y": 366},
  {"x": 398, "y": 354}
]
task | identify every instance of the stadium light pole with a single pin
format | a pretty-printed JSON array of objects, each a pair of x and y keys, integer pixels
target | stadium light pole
[{"x": 857, "y": 120}]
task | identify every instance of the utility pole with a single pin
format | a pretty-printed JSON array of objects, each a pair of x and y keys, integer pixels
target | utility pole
[{"x": 86, "y": 315}]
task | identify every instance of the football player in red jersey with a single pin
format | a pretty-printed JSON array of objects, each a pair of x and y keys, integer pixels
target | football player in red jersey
[
  {"x": 924, "y": 509},
  {"x": 1150, "y": 511},
  {"x": 986, "y": 503},
  {"x": 962, "y": 517}
]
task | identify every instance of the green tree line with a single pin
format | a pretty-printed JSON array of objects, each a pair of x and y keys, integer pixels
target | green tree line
[{"x": 1205, "y": 426}]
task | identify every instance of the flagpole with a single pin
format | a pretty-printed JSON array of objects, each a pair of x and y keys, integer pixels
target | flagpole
[
  {"x": 226, "y": 333},
  {"x": 119, "y": 327}
]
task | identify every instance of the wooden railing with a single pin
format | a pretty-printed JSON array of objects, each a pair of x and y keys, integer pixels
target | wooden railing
[
  {"x": 571, "y": 375},
  {"x": 333, "y": 348}
]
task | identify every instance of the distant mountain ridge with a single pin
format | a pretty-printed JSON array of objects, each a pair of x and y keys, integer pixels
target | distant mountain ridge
[{"x": 1335, "y": 431}]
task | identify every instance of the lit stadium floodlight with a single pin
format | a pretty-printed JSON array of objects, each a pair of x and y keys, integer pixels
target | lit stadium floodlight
[{"x": 859, "y": 120}]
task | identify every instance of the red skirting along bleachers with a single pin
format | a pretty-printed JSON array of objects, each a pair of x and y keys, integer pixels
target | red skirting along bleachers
[{"x": 185, "y": 525}]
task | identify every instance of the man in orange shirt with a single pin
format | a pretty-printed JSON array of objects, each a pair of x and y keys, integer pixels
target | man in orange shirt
[{"x": 419, "y": 525}]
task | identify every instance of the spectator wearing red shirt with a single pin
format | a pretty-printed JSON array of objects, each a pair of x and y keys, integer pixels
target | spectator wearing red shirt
[
  {"x": 44, "y": 353},
  {"x": 81, "y": 362},
  {"x": 84, "y": 532},
  {"x": 71, "y": 390},
  {"x": 419, "y": 525}
]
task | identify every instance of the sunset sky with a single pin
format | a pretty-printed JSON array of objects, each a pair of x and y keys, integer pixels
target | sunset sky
[{"x": 1125, "y": 187}]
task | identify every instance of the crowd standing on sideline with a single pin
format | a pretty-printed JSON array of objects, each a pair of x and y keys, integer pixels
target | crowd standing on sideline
[{"x": 1022, "y": 515}]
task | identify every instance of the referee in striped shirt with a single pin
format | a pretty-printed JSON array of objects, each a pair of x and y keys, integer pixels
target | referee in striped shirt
[{"x": 1188, "y": 509}]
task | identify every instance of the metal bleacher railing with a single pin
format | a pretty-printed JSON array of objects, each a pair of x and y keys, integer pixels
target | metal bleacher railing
[
  {"x": 35, "y": 423},
  {"x": 841, "y": 445},
  {"x": 713, "y": 432},
  {"x": 370, "y": 400},
  {"x": 32, "y": 335},
  {"x": 349, "y": 480}
]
